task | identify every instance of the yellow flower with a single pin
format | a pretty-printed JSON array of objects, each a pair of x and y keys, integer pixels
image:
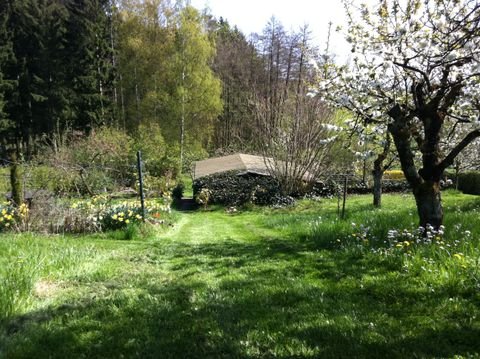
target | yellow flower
[
  {"x": 407, "y": 243},
  {"x": 120, "y": 219},
  {"x": 127, "y": 221},
  {"x": 138, "y": 216},
  {"x": 4, "y": 211},
  {"x": 121, "y": 214},
  {"x": 114, "y": 216},
  {"x": 459, "y": 256},
  {"x": 399, "y": 245}
]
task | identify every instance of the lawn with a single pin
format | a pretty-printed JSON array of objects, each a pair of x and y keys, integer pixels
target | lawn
[{"x": 294, "y": 282}]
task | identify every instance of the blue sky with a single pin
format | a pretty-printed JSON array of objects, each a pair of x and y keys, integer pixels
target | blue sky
[{"x": 252, "y": 15}]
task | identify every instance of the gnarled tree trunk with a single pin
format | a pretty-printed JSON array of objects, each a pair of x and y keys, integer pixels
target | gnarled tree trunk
[
  {"x": 429, "y": 203},
  {"x": 425, "y": 183}
]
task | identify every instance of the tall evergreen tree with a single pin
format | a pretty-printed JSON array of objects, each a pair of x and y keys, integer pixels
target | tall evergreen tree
[
  {"x": 59, "y": 68},
  {"x": 90, "y": 62},
  {"x": 5, "y": 57}
]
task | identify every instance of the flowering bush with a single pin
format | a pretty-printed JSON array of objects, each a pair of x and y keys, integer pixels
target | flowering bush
[
  {"x": 7, "y": 217},
  {"x": 203, "y": 197},
  {"x": 105, "y": 216},
  {"x": 12, "y": 217}
]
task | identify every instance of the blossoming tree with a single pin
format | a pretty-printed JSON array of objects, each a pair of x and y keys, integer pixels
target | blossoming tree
[{"x": 415, "y": 69}]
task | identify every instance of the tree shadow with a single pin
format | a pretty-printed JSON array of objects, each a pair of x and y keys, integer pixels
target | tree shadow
[{"x": 273, "y": 297}]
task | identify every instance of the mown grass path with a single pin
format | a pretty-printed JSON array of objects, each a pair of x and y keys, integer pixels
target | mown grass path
[{"x": 251, "y": 285}]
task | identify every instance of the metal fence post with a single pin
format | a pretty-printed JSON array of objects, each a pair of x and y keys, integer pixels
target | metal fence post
[
  {"x": 345, "y": 184},
  {"x": 140, "y": 180}
]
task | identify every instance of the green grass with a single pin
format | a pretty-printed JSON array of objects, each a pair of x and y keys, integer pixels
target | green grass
[
  {"x": 186, "y": 178},
  {"x": 285, "y": 283}
]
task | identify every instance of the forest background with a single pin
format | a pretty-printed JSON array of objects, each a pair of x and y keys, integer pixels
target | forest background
[{"x": 85, "y": 84}]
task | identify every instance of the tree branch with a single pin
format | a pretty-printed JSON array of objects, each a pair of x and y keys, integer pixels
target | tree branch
[{"x": 448, "y": 161}]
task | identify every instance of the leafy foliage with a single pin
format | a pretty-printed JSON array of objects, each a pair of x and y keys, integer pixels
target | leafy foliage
[
  {"x": 469, "y": 182},
  {"x": 233, "y": 189}
]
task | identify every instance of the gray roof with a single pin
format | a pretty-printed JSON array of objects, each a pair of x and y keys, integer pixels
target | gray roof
[
  {"x": 237, "y": 162},
  {"x": 240, "y": 162}
]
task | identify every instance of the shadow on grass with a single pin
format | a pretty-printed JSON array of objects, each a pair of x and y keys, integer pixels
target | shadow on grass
[{"x": 271, "y": 298}]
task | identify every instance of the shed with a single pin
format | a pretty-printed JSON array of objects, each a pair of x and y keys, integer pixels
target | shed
[{"x": 240, "y": 162}]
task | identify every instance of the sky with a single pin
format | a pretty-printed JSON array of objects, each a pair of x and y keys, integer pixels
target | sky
[{"x": 252, "y": 16}]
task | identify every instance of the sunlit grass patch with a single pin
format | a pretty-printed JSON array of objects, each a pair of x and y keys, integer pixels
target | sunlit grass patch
[{"x": 257, "y": 283}]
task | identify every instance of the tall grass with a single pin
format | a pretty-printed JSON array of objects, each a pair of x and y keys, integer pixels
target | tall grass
[
  {"x": 295, "y": 282},
  {"x": 28, "y": 258}
]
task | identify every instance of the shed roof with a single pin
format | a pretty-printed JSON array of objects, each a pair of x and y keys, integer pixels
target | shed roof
[
  {"x": 240, "y": 162},
  {"x": 236, "y": 162}
]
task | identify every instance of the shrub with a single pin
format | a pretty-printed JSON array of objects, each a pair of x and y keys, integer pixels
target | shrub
[
  {"x": 203, "y": 197},
  {"x": 394, "y": 175},
  {"x": 232, "y": 189},
  {"x": 124, "y": 214},
  {"x": 330, "y": 188},
  {"x": 120, "y": 217},
  {"x": 7, "y": 217},
  {"x": 177, "y": 193},
  {"x": 86, "y": 164},
  {"x": 153, "y": 186},
  {"x": 150, "y": 141},
  {"x": 469, "y": 182},
  {"x": 391, "y": 186},
  {"x": 55, "y": 180}
]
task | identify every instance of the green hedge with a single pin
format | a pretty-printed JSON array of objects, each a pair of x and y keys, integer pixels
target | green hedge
[
  {"x": 469, "y": 182},
  {"x": 232, "y": 189}
]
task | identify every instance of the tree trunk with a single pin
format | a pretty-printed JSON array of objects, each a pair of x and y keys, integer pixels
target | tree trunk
[
  {"x": 429, "y": 204},
  {"x": 16, "y": 180},
  {"x": 377, "y": 187}
]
